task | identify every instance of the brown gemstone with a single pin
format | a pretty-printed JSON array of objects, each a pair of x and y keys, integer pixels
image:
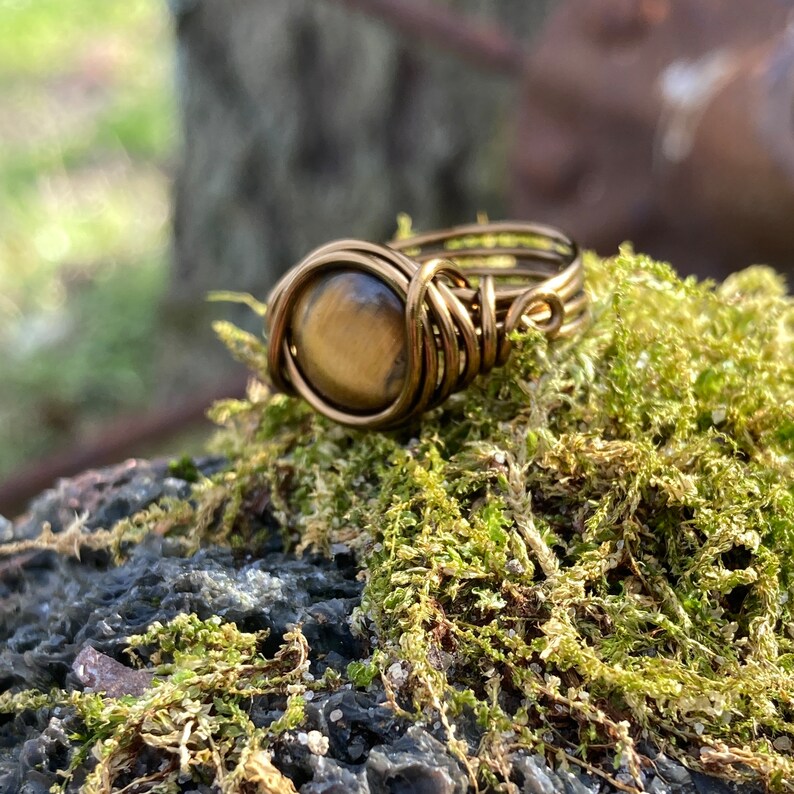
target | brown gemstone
[{"x": 348, "y": 331}]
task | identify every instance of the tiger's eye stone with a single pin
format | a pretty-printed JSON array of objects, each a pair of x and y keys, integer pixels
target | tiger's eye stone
[{"x": 348, "y": 331}]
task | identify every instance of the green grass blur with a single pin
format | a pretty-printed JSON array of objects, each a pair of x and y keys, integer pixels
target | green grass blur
[{"x": 87, "y": 133}]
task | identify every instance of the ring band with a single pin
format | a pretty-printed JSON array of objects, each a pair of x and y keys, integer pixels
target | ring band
[{"x": 373, "y": 335}]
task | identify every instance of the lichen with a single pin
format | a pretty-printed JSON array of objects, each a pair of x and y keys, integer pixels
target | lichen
[{"x": 589, "y": 548}]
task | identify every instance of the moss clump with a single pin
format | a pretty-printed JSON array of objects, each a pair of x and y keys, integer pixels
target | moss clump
[
  {"x": 196, "y": 713},
  {"x": 590, "y": 547}
]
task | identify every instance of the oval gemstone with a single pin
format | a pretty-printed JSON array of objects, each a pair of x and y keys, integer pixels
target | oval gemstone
[{"x": 348, "y": 331}]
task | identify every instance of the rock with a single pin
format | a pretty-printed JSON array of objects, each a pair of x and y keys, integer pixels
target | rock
[
  {"x": 331, "y": 777},
  {"x": 658, "y": 786},
  {"x": 706, "y": 784},
  {"x": 535, "y": 776},
  {"x": 104, "y": 607},
  {"x": 6, "y": 530},
  {"x": 107, "y": 495},
  {"x": 674, "y": 775},
  {"x": 415, "y": 764},
  {"x": 40, "y": 758},
  {"x": 103, "y": 674},
  {"x": 356, "y": 722}
]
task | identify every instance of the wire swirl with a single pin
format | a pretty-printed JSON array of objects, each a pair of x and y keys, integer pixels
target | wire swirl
[{"x": 465, "y": 291}]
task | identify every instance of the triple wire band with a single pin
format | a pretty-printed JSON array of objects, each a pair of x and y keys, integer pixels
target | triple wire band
[{"x": 373, "y": 335}]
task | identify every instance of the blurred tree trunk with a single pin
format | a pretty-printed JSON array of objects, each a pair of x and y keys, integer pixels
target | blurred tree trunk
[{"x": 303, "y": 122}]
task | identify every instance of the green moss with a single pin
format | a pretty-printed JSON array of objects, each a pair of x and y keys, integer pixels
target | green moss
[
  {"x": 184, "y": 468},
  {"x": 196, "y": 713},
  {"x": 590, "y": 547},
  {"x": 600, "y": 532}
]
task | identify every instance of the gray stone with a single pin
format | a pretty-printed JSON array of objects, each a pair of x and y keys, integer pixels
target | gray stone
[
  {"x": 537, "y": 776},
  {"x": 107, "y": 495},
  {"x": 103, "y": 607},
  {"x": 355, "y": 721},
  {"x": 674, "y": 774},
  {"x": 331, "y": 777},
  {"x": 41, "y": 756},
  {"x": 706, "y": 784},
  {"x": 415, "y": 764},
  {"x": 577, "y": 783},
  {"x": 658, "y": 786}
]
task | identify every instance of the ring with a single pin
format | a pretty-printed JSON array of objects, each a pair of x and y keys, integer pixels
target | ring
[{"x": 373, "y": 335}]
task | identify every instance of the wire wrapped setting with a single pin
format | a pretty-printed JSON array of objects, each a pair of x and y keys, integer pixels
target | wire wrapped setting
[{"x": 465, "y": 290}]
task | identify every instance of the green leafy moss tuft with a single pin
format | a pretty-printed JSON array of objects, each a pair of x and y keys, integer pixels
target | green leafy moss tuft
[{"x": 195, "y": 716}]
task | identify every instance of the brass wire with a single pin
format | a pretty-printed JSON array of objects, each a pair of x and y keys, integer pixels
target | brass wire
[{"x": 465, "y": 289}]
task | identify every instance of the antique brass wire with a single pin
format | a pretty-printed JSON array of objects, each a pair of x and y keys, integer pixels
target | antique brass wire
[{"x": 465, "y": 289}]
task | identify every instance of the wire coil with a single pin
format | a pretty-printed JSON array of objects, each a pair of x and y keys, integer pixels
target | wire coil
[{"x": 465, "y": 290}]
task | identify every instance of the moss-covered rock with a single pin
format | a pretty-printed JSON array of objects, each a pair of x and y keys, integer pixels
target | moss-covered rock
[{"x": 586, "y": 554}]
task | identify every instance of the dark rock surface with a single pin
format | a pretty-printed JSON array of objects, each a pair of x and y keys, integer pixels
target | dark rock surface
[
  {"x": 55, "y": 608},
  {"x": 106, "y": 495}
]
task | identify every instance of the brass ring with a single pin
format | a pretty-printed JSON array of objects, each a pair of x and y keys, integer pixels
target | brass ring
[{"x": 372, "y": 335}]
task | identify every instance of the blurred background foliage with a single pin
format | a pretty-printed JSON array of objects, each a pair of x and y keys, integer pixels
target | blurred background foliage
[{"x": 87, "y": 136}]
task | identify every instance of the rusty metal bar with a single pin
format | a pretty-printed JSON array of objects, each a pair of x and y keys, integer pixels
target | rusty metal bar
[
  {"x": 121, "y": 439},
  {"x": 489, "y": 46}
]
